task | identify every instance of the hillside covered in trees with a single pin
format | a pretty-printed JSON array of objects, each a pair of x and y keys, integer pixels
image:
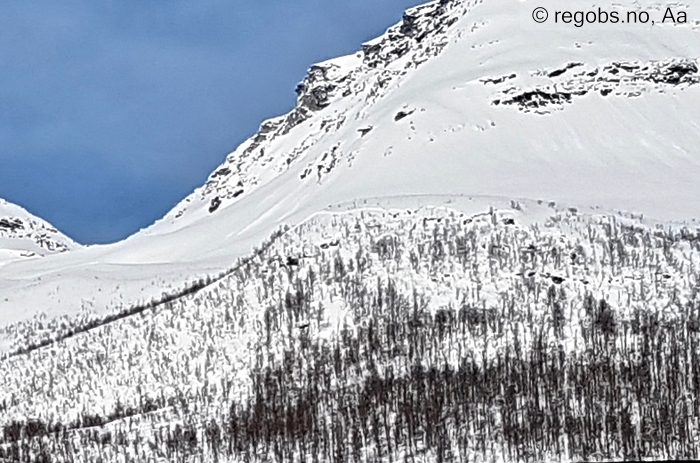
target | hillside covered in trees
[{"x": 400, "y": 335}]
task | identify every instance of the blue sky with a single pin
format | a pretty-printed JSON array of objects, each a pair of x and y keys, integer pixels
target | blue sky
[{"x": 113, "y": 111}]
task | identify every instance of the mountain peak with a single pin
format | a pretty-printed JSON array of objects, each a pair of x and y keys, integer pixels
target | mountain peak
[
  {"x": 469, "y": 82},
  {"x": 368, "y": 74},
  {"x": 23, "y": 235}
]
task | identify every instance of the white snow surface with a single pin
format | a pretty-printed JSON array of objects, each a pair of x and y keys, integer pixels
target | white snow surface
[{"x": 636, "y": 149}]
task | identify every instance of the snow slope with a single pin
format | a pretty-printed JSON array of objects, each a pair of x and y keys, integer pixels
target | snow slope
[
  {"x": 23, "y": 235},
  {"x": 465, "y": 102}
]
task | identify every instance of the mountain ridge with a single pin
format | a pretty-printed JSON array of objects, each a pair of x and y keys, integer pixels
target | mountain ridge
[
  {"x": 23, "y": 235},
  {"x": 327, "y": 83}
]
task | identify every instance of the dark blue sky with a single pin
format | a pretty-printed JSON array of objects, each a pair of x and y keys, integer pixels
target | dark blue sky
[{"x": 113, "y": 111}]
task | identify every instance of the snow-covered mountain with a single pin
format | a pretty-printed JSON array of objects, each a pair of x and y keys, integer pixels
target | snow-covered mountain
[
  {"x": 23, "y": 235},
  {"x": 488, "y": 219},
  {"x": 471, "y": 98}
]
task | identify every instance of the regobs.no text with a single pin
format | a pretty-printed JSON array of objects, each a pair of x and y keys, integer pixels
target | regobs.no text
[{"x": 601, "y": 16}]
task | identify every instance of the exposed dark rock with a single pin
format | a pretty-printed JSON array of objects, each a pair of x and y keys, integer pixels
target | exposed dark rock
[
  {"x": 408, "y": 25},
  {"x": 365, "y": 130},
  {"x": 558, "y": 72},
  {"x": 214, "y": 204},
  {"x": 316, "y": 98},
  {"x": 675, "y": 74},
  {"x": 628, "y": 67},
  {"x": 221, "y": 172},
  {"x": 370, "y": 50},
  {"x": 498, "y": 80},
  {"x": 539, "y": 98},
  {"x": 11, "y": 224},
  {"x": 418, "y": 23},
  {"x": 402, "y": 114},
  {"x": 626, "y": 79}
]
